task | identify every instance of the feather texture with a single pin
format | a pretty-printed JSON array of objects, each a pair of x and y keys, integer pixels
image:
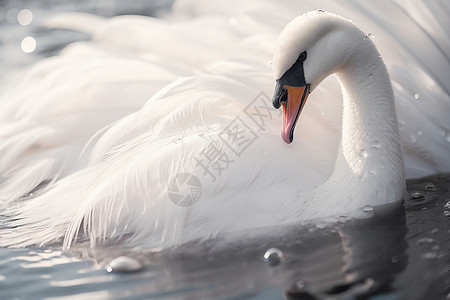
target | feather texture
[{"x": 82, "y": 124}]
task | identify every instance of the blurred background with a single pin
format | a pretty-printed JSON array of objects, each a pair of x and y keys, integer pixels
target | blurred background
[{"x": 23, "y": 38}]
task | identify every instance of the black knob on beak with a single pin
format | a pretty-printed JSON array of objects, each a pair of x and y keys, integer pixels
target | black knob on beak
[{"x": 280, "y": 95}]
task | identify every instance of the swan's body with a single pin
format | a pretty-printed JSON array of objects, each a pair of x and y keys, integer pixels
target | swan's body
[{"x": 120, "y": 192}]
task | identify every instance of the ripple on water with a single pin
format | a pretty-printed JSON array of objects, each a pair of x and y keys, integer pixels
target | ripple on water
[{"x": 430, "y": 186}]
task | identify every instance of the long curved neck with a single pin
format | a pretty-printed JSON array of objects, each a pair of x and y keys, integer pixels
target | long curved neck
[{"x": 370, "y": 154}]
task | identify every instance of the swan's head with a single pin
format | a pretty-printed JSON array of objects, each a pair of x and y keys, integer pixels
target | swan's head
[{"x": 311, "y": 47}]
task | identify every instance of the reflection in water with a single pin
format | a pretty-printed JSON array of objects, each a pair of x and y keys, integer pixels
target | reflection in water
[
  {"x": 359, "y": 257},
  {"x": 374, "y": 251}
]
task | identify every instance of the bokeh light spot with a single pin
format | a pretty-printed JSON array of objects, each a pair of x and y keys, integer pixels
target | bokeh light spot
[
  {"x": 24, "y": 17},
  {"x": 28, "y": 44}
]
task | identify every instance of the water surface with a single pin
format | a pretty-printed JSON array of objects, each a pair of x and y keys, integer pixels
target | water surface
[{"x": 402, "y": 255}]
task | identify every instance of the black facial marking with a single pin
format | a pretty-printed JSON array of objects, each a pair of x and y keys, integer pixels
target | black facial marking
[{"x": 295, "y": 77}]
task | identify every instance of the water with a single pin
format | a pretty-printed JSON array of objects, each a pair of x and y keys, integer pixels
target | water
[{"x": 401, "y": 255}]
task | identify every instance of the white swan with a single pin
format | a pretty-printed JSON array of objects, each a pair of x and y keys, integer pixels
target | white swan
[{"x": 122, "y": 192}]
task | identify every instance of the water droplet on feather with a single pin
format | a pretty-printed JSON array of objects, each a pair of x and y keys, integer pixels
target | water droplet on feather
[{"x": 363, "y": 153}]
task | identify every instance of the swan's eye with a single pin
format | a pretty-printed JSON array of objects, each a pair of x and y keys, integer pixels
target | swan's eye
[{"x": 302, "y": 56}]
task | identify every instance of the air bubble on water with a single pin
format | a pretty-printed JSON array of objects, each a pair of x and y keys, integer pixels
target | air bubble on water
[
  {"x": 394, "y": 259},
  {"x": 123, "y": 264},
  {"x": 363, "y": 153},
  {"x": 368, "y": 209},
  {"x": 447, "y": 205},
  {"x": 416, "y": 195},
  {"x": 273, "y": 256},
  {"x": 376, "y": 144},
  {"x": 416, "y": 96},
  {"x": 447, "y": 213},
  {"x": 370, "y": 35},
  {"x": 371, "y": 75},
  {"x": 320, "y": 10}
]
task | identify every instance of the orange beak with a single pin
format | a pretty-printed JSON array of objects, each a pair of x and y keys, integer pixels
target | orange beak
[{"x": 292, "y": 108}]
